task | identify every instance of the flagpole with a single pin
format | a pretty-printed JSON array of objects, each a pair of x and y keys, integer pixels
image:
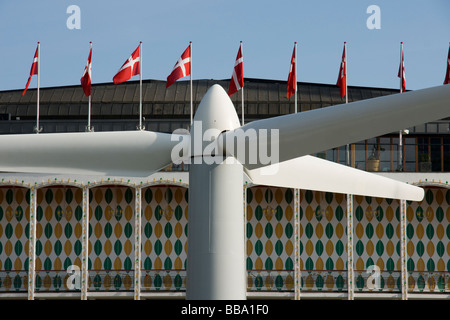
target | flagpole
[
  {"x": 89, "y": 98},
  {"x": 38, "y": 83},
  {"x": 400, "y": 136},
  {"x": 295, "y": 72},
  {"x": 192, "y": 105},
  {"x": 242, "y": 97},
  {"x": 346, "y": 95},
  {"x": 140, "y": 87}
]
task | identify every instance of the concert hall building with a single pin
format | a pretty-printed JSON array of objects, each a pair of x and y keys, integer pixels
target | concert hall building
[{"x": 296, "y": 241}]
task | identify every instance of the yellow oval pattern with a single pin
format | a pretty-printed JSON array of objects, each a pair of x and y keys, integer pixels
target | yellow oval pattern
[
  {"x": 278, "y": 195},
  {"x": 289, "y": 213},
  {"x": 128, "y": 213},
  {"x": 269, "y": 247},
  {"x": 329, "y": 247},
  {"x": 158, "y": 195},
  {"x": 249, "y": 247},
  {"x": 339, "y": 230},
  {"x": 128, "y": 247},
  {"x": 178, "y": 264},
  {"x": 289, "y": 247},
  {"x": 168, "y": 247},
  {"x": 67, "y": 247},
  {"x": 118, "y": 230},
  {"x": 369, "y": 247},
  {"x": 178, "y": 230},
  {"x": 249, "y": 213},
  {"x": 420, "y": 231},
  {"x": 19, "y": 196},
  {"x": 389, "y": 213},
  {"x": 178, "y": 195},
  {"x": 48, "y": 247},
  {"x": 319, "y": 230},
  {"x": 48, "y": 213},
  {"x": 148, "y": 247},
  {"x": 258, "y": 195},
  {"x": 18, "y": 231},
  {"x": 98, "y": 195},
  {"x": 58, "y": 196},
  {"x": 279, "y": 230},
  {"x": 379, "y": 230}
]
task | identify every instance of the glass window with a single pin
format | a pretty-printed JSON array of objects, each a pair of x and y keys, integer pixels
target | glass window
[
  {"x": 436, "y": 154},
  {"x": 360, "y": 155},
  {"x": 446, "y": 154},
  {"x": 385, "y": 154},
  {"x": 409, "y": 155}
]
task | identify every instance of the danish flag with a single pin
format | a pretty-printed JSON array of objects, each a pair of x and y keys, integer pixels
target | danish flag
[
  {"x": 130, "y": 68},
  {"x": 34, "y": 68},
  {"x": 237, "y": 79},
  {"x": 447, "y": 75},
  {"x": 401, "y": 70},
  {"x": 182, "y": 68},
  {"x": 86, "y": 78},
  {"x": 342, "y": 78},
  {"x": 292, "y": 80}
]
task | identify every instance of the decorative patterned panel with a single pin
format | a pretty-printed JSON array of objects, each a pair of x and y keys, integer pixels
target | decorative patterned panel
[
  {"x": 270, "y": 236},
  {"x": 111, "y": 238},
  {"x": 323, "y": 255},
  {"x": 164, "y": 238},
  {"x": 14, "y": 234},
  {"x": 428, "y": 242},
  {"x": 376, "y": 242},
  {"x": 58, "y": 235}
]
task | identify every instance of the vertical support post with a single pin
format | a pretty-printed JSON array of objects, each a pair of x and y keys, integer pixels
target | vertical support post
[
  {"x": 85, "y": 245},
  {"x": 32, "y": 245},
  {"x": 137, "y": 244},
  {"x": 350, "y": 272},
  {"x": 403, "y": 258},
  {"x": 297, "y": 275},
  {"x": 141, "y": 127}
]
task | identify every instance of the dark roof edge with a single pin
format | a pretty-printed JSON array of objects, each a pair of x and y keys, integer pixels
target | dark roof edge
[{"x": 218, "y": 80}]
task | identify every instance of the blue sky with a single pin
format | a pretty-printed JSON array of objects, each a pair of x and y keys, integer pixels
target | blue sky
[{"x": 268, "y": 30}]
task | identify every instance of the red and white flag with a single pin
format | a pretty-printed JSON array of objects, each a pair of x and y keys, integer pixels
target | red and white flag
[
  {"x": 447, "y": 75},
  {"x": 292, "y": 78},
  {"x": 342, "y": 78},
  {"x": 401, "y": 70},
  {"x": 182, "y": 68},
  {"x": 86, "y": 78},
  {"x": 237, "y": 79},
  {"x": 130, "y": 68},
  {"x": 34, "y": 68}
]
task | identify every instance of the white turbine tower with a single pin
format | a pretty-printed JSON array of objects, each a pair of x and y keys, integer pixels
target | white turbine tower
[{"x": 216, "y": 255}]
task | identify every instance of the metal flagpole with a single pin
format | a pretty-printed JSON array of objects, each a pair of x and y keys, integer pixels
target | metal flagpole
[
  {"x": 38, "y": 82},
  {"x": 400, "y": 136},
  {"x": 346, "y": 96},
  {"x": 89, "y": 98},
  {"x": 242, "y": 97},
  {"x": 295, "y": 71},
  {"x": 140, "y": 87},
  {"x": 192, "y": 104}
]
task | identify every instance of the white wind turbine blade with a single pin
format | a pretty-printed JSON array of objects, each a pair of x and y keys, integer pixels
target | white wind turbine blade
[
  {"x": 321, "y": 129},
  {"x": 118, "y": 153},
  {"x": 312, "y": 173}
]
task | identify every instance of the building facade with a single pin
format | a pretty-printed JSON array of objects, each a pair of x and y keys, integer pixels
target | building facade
[{"x": 101, "y": 237}]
